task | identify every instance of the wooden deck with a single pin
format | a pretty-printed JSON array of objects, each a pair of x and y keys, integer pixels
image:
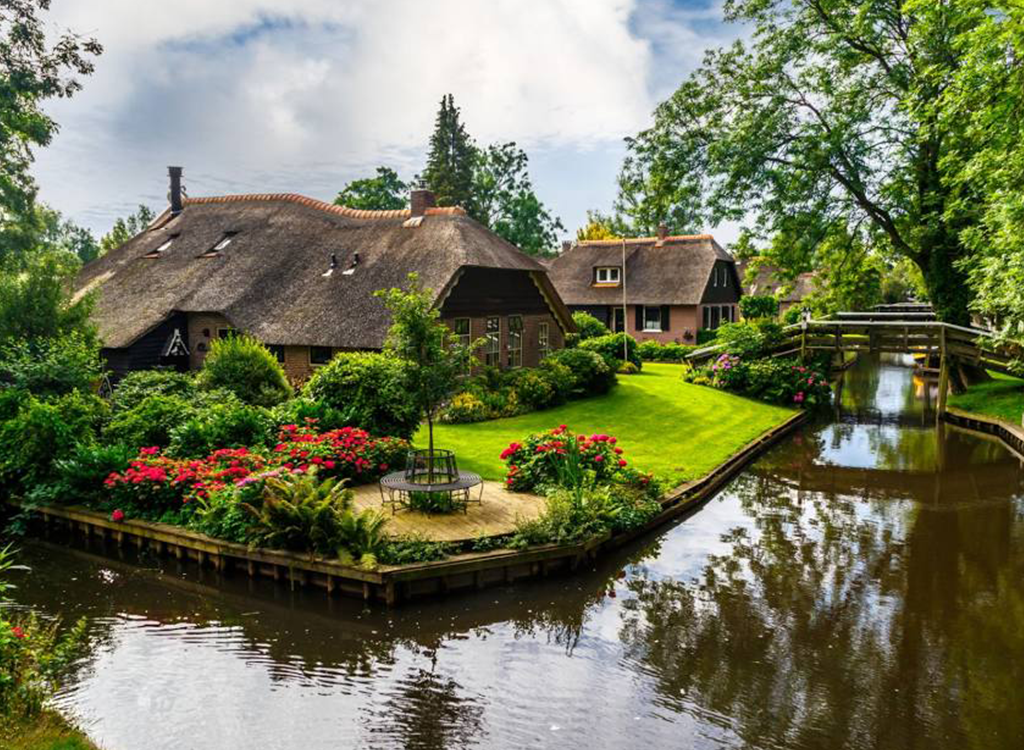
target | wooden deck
[{"x": 495, "y": 516}]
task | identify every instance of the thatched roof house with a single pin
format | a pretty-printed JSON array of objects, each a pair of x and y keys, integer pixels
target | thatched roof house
[
  {"x": 765, "y": 280},
  {"x": 674, "y": 285},
  {"x": 300, "y": 274}
]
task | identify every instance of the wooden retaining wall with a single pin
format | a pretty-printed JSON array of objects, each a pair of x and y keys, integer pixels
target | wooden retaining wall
[
  {"x": 1011, "y": 435},
  {"x": 394, "y": 584}
]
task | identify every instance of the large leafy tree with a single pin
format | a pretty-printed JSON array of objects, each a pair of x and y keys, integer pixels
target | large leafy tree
[
  {"x": 831, "y": 115},
  {"x": 126, "y": 228},
  {"x": 986, "y": 164},
  {"x": 504, "y": 200},
  {"x": 384, "y": 192},
  {"x": 34, "y": 67},
  {"x": 451, "y": 159}
]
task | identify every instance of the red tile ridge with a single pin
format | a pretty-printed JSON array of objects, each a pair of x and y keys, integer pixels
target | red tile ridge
[
  {"x": 352, "y": 213},
  {"x": 646, "y": 240}
]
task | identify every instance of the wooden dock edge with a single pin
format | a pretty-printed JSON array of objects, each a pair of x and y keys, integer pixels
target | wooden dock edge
[
  {"x": 1011, "y": 435},
  {"x": 395, "y": 584}
]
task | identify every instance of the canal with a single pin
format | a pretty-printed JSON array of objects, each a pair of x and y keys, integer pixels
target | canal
[{"x": 859, "y": 586}]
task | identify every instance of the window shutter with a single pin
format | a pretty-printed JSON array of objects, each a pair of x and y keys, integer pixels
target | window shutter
[
  {"x": 664, "y": 318},
  {"x": 639, "y": 317}
]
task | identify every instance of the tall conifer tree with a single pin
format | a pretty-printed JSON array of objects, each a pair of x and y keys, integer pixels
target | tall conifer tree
[{"x": 452, "y": 159}]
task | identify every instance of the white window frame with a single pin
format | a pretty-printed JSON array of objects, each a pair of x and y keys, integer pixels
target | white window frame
[
  {"x": 648, "y": 327},
  {"x": 224, "y": 242},
  {"x": 543, "y": 339},
  {"x": 492, "y": 347},
  {"x": 612, "y": 275},
  {"x": 463, "y": 338},
  {"x": 515, "y": 341}
]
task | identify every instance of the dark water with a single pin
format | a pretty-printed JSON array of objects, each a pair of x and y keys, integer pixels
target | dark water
[{"x": 860, "y": 586}]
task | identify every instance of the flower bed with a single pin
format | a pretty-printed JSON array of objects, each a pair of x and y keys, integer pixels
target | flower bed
[
  {"x": 155, "y": 485},
  {"x": 780, "y": 381}
]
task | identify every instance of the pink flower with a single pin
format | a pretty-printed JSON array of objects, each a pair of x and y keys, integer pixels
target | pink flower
[
  {"x": 117, "y": 515},
  {"x": 149, "y": 451},
  {"x": 598, "y": 459},
  {"x": 799, "y": 398},
  {"x": 810, "y": 380}
]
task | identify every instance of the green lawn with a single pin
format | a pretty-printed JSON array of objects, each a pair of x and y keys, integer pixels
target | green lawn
[
  {"x": 47, "y": 731},
  {"x": 676, "y": 430},
  {"x": 1002, "y": 397}
]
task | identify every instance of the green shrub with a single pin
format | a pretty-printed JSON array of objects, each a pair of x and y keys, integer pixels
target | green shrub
[
  {"x": 611, "y": 348},
  {"x": 533, "y": 387},
  {"x": 750, "y": 339},
  {"x": 226, "y": 425},
  {"x": 654, "y": 351},
  {"x": 301, "y": 410},
  {"x": 150, "y": 422},
  {"x": 465, "y": 407},
  {"x": 588, "y": 326},
  {"x": 591, "y": 375},
  {"x": 759, "y": 306},
  {"x": 628, "y": 368},
  {"x": 224, "y": 514},
  {"x": 706, "y": 336},
  {"x": 136, "y": 386},
  {"x": 244, "y": 366},
  {"x": 368, "y": 390},
  {"x": 78, "y": 478},
  {"x": 43, "y": 432},
  {"x": 792, "y": 315},
  {"x": 412, "y": 549},
  {"x": 53, "y": 366}
]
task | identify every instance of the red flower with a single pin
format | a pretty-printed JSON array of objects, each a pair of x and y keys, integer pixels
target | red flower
[
  {"x": 18, "y": 632},
  {"x": 117, "y": 515},
  {"x": 598, "y": 459},
  {"x": 622, "y": 462}
]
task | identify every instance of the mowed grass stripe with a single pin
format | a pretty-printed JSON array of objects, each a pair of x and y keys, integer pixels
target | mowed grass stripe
[{"x": 676, "y": 430}]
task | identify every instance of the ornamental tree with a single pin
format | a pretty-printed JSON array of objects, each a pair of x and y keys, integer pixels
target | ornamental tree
[{"x": 436, "y": 357}]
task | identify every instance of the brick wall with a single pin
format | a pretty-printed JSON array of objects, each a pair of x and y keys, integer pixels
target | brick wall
[
  {"x": 531, "y": 336},
  {"x": 682, "y": 319}
]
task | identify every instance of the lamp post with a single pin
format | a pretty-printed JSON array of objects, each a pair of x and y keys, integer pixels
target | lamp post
[{"x": 625, "y": 339}]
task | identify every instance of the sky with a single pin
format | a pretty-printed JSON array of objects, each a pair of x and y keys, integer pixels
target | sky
[{"x": 305, "y": 95}]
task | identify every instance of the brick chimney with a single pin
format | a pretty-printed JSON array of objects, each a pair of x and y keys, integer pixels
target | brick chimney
[
  {"x": 420, "y": 201},
  {"x": 662, "y": 231},
  {"x": 175, "y": 192}
]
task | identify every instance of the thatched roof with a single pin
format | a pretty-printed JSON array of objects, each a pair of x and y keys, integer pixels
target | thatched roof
[
  {"x": 766, "y": 280},
  {"x": 269, "y": 280},
  {"x": 672, "y": 271}
]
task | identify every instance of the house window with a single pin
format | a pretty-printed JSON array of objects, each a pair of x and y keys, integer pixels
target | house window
[
  {"x": 725, "y": 276},
  {"x": 492, "y": 349},
  {"x": 543, "y": 339},
  {"x": 225, "y": 241},
  {"x": 608, "y": 275},
  {"x": 652, "y": 319},
  {"x": 319, "y": 355},
  {"x": 278, "y": 351},
  {"x": 515, "y": 341},
  {"x": 707, "y": 317},
  {"x": 164, "y": 246},
  {"x": 461, "y": 330}
]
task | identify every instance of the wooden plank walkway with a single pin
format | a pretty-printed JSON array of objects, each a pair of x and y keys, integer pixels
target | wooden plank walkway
[{"x": 496, "y": 515}]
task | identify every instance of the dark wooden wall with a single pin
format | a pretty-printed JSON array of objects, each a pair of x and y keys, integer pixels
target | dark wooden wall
[
  {"x": 482, "y": 291},
  {"x": 722, "y": 294},
  {"x": 145, "y": 354}
]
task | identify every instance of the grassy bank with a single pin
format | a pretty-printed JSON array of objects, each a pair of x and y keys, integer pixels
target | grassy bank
[
  {"x": 1001, "y": 397},
  {"x": 48, "y": 731},
  {"x": 676, "y": 430}
]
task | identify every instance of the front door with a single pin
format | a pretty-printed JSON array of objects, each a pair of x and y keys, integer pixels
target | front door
[{"x": 619, "y": 320}]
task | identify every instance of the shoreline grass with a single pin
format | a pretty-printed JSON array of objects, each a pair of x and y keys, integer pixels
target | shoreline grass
[
  {"x": 46, "y": 731},
  {"x": 1002, "y": 397},
  {"x": 674, "y": 429}
]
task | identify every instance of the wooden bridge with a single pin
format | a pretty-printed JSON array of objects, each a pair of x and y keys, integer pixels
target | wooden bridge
[{"x": 903, "y": 332}]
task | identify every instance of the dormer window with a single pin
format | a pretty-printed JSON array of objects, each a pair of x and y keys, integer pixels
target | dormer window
[
  {"x": 608, "y": 275},
  {"x": 163, "y": 246},
  {"x": 223, "y": 243}
]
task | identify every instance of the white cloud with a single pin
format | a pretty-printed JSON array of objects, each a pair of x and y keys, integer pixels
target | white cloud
[{"x": 303, "y": 95}]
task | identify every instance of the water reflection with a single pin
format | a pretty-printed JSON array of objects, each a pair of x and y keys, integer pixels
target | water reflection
[{"x": 860, "y": 586}]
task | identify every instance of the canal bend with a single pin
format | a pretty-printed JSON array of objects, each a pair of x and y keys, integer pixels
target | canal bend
[{"x": 859, "y": 586}]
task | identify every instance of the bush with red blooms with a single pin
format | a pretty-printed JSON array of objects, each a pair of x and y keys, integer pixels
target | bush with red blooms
[
  {"x": 348, "y": 453},
  {"x": 155, "y": 486},
  {"x": 560, "y": 457}
]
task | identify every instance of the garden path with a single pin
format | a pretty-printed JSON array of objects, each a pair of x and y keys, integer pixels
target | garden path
[{"x": 496, "y": 514}]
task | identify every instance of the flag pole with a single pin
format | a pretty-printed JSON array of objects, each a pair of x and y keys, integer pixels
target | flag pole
[{"x": 625, "y": 326}]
